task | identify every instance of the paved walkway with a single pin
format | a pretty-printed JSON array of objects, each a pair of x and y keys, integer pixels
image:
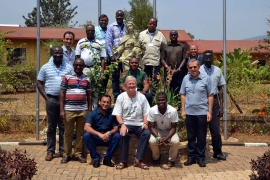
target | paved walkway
[{"x": 236, "y": 167}]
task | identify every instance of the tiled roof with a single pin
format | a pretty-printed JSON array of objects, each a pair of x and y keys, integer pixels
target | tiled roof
[
  {"x": 217, "y": 45},
  {"x": 57, "y": 33}
]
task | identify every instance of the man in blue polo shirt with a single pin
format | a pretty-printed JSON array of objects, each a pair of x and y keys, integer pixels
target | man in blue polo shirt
[
  {"x": 197, "y": 103},
  {"x": 48, "y": 84},
  {"x": 218, "y": 82},
  {"x": 101, "y": 130}
]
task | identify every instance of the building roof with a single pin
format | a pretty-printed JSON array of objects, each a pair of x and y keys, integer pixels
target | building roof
[
  {"x": 217, "y": 45},
  {"x": 57, "y": 33}
]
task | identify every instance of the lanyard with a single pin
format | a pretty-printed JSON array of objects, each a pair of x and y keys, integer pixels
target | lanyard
[
  {"x": 151, "y": 38},
  {"x": 78, "y": 83},
  {"x": 58, "y": 72}
]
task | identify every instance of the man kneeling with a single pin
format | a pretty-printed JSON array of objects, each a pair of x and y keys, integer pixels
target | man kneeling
[
  {"x": 101, "y": 130},
  {"x": 163, "y": 119}
]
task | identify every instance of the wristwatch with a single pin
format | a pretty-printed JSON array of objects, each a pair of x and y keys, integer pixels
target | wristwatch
[
  {"x": 210, "y": 111},
  {"x": 109, "y": 132}
]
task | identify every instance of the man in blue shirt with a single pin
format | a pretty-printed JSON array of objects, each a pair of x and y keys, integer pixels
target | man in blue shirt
[
  {"x": 197, "y": 103},
  {"x": 100, "y": 34},
  {"x": 218, "y": 82},
  {"x": 101, "y": 130},
  {"x": 114, "y": 34},
  {"x": 48, "y": 84}
]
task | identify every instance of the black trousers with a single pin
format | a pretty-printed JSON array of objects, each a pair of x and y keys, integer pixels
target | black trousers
[
  {"x": 196, "y": 130},
  {"x": 214, "y": 127}
]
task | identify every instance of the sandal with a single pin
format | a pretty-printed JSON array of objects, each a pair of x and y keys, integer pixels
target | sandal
[
  {"x": 121, "y": 166},
  {"x": 140, "y": 164},
  {"x": 171, "y": 163}
]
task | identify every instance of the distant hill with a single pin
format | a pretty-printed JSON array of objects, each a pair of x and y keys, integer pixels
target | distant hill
[{"x": 257, "y": 37}]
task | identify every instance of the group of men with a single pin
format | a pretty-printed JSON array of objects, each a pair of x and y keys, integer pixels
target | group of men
[{"x": 64, "y": 85}]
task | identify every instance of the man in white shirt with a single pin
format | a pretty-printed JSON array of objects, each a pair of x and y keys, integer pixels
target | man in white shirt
[{"x": 163, "y": 119}]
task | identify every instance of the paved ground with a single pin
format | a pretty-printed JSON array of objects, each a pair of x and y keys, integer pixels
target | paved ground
[{"x": 236, "y": 167}]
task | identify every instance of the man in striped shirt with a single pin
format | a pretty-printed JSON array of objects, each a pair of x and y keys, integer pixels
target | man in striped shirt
[
  {"x": 48, "y": 84},
  {"x": 75, "y": 92}
]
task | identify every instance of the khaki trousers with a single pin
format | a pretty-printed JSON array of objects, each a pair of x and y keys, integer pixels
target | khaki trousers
[
  {"x": 174, "y": 145},
  {"x": 79, "y": 118}
]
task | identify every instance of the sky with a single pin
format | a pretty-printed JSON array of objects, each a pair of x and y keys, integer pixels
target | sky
[{"x": 202, "y": 18}]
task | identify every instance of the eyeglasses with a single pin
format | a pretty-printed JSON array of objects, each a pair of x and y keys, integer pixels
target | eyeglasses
[{"x": 193, "y": 67}]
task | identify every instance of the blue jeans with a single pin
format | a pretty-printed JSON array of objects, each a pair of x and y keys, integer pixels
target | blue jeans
[
  {"x": 54, "y": 120},
  {"x": 196, "y": 130},
  {"x": 144, "y": 136},
  {"x": 116, "y": 81},
  {"x": 92, "y": 141},
  {"x": 150, "y": 70},
  {"x": 214, "y": 127}
]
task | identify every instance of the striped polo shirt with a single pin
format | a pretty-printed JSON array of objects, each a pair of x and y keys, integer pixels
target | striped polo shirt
[
  {"x": 52, "y": 76},
  {"x": 75, "y": 99}
]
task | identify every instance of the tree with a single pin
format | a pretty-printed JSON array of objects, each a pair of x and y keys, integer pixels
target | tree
[
  {"x": 265, "y": 44},
  {"x": 191, "y": 35},
  {"x": 53, "y": 13},
  {"x": 141, "y": 11}
]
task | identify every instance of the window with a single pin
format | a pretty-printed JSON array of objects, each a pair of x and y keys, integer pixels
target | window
[{"x": 16, "y": 55}]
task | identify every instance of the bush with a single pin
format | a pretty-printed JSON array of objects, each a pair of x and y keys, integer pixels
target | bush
[
  {"x": 16, "y": 165},
  {"x": 261, "y": 166},
  {"x": 20, "y": 76}
]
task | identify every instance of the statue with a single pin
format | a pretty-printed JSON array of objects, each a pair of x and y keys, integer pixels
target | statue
[{"x": 130, "y": 46}]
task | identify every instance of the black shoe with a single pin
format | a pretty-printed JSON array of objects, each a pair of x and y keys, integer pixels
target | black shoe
[
  {"x": 108, "y": 163},
  {"x": 189, "y": 162},
  {"x": 220, "y": 156},
  {"x": 201, "y": 163},
  {"x": 65, "y": 159},
  {"x": 96, "y": 164},
  {"x": 81, "y": 159},
  {"x": 156, "y": 162}
]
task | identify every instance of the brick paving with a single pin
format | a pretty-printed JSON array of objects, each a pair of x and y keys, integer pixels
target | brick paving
[{"x": 236, "y": 167}]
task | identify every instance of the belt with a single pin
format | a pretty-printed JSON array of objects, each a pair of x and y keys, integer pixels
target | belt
[
  {"x": 216, "y": 96},
  {"x": 49, "y": 95}
]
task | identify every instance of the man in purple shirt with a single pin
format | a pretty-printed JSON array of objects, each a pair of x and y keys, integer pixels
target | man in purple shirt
[{"x": 114, "y": 34}]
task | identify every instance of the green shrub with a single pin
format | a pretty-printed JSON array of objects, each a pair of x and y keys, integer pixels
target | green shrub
[
  {"x": 20, "y": 76},
  {"x": 4, "y": 123}
]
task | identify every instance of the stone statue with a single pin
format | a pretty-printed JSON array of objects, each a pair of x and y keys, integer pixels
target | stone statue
[{"x": 130, "y": 46}]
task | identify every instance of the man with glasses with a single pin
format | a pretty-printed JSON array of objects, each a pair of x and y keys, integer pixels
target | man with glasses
[
  {"x": 174, "y": 60},
  {"x": 197, "y": 106},
  {"x": 91, "y": 51},
  {"x": 48, "y": 84},
  {"x": 218, "y": 82},
  {"x": 75, "y": 103}
]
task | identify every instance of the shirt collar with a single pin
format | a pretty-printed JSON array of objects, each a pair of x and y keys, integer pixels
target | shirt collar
[
  {"x": 157, "y": 111},
  {"x": 170, "y": 44},
  {"x": 154, "y": 33},
  {"x": 116, "y": 24},
  {"x": 199, "y": 77}
]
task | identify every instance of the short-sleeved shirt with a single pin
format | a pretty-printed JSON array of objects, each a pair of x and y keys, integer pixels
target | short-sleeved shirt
[
  {"x": 174, "y": 54},
  {"x": 216, "y": 76},
  {"x": 132, "y": 110},
  {"x": 170, "y": 116},
  {"x": 52, "y": 76},
  {"x": 101, "y": 123},
  {"x": 197, "y": 91},
  {"x": 114, "y": 34},
  {"x": 69, "y": 58},
  {"x": 75, "y": 99},
  {"x": 141, "y": 78},
  {"x": 152, "y": 44},
  {"x": 90, "y": 50}
]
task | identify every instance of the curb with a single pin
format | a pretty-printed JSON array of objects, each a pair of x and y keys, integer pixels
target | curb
[{"x": 223, "y": 144}]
